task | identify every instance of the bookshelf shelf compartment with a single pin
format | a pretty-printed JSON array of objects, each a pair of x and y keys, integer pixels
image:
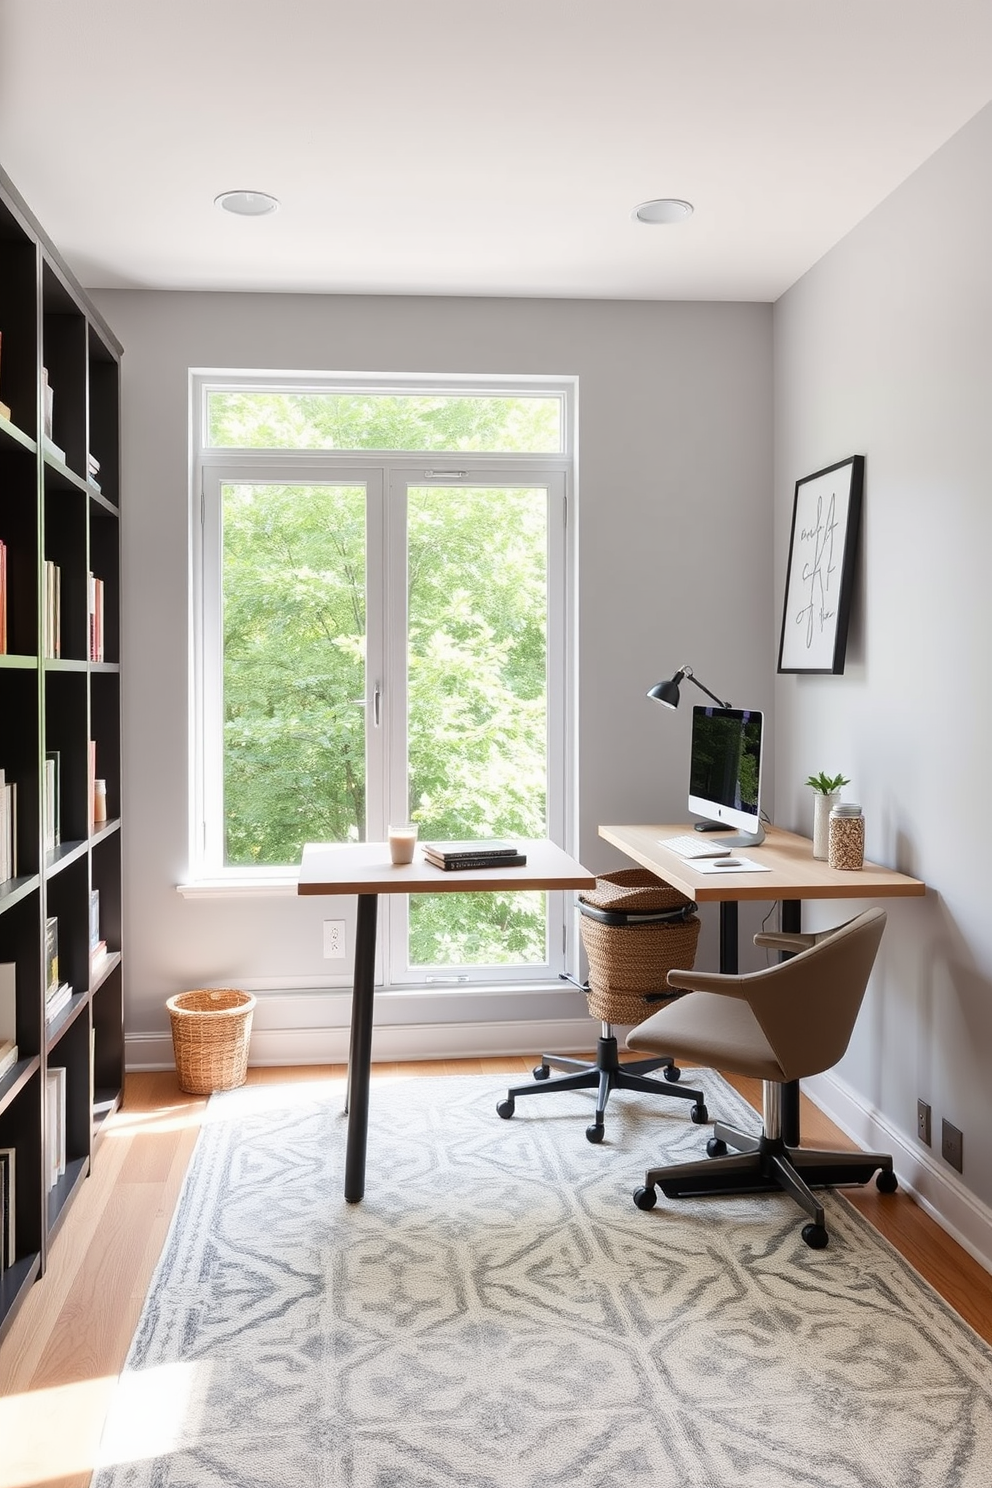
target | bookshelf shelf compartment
[{"x": 60, "y": 699}]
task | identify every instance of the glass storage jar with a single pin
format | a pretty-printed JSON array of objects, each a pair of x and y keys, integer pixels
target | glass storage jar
[{"x": 847, "y": 836}]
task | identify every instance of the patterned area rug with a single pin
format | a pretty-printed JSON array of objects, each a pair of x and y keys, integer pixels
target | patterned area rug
[{"x": 496, "y": 1313}]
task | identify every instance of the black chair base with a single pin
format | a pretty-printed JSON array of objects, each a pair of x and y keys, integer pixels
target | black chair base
[
  {"x": 604, "y": 1074},
  {"x": 766, "y": 1165}
]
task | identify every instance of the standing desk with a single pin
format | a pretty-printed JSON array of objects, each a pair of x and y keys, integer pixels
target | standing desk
[
  {"x": 365, "y": 869},
  {"x": 794, "y": 875}
]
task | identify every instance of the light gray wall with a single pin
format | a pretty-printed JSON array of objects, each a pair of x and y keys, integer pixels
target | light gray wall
[
  {"x": 674, "y": 482},
  {"x": 885, "y": 349}
]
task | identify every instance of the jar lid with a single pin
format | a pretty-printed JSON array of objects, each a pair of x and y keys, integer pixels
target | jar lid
[{"x": 846, "y": 808}]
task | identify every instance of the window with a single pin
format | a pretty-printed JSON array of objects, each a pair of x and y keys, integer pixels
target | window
[{"x": 381, "y": 636}]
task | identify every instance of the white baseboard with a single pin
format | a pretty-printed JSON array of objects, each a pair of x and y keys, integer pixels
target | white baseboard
[
  {"x": 936, "y": 1188},
  {"x": 286, "y": 1046}
]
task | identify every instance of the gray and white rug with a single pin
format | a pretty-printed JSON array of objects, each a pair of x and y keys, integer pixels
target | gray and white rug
[{"x": 496, "y": 1313}]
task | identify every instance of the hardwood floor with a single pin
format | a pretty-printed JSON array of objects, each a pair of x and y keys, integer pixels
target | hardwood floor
[{"x": 59, "y": 1363}]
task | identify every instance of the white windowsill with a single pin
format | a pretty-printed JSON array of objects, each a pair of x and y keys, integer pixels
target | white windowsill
[{"x": 239, "y": 888}]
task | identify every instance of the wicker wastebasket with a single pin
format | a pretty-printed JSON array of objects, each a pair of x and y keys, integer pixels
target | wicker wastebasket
[
  {"x": 635, "y": 928},
  {"x": 211, "y": 1030}
]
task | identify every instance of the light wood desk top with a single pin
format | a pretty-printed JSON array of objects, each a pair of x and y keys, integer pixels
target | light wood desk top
[
  {"x": 794, "y": 872},
  {"x": 365, "y": 868}
]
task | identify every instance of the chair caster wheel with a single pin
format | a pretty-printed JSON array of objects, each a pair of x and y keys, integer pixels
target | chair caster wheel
[
  {"x": 672, "y": 1073},
  {"x": 541, "y": 1071},
  {"x": 698, "y": 1114},
  {"x": 886, "y": 1182},
  {"x": 645, "y": 1198},
  {"x": 815, "y": 1236},
  {"x": 716, "y": 1147},
  {"x": 595, "y": 1133},
  {"x": 505, "y": 1109}
]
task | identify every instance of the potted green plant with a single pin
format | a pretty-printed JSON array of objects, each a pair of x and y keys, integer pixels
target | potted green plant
[{"x": 826, "y": 790}]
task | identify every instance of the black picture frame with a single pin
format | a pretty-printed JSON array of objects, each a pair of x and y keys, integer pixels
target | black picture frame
[{"x": 819, "y": 576}]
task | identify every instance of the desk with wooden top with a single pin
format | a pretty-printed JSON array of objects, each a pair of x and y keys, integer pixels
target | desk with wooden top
[
  {"x": 365, "y": 869},
  {"x": 793, "y": 875}
]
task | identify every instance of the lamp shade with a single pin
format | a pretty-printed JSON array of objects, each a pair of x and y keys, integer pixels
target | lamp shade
[{"x": 667, "y": 692}]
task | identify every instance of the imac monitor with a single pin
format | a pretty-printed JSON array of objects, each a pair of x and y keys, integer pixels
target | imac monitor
[{"x": 725, "y": 771}]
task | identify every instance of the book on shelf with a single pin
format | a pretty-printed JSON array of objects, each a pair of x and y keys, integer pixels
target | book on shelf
[
  {"x": 94, "y": 919},
  {"x": 55, "y": 1125},
  {"x": 52, "y": 613},
  {"x": 95, "y": 604},
  {"x": 91, "y": 781},
  {"x": 48, "y": 403},
  {"x": 8, "y": 828},
  {"x": 8, "y": 1002},
  {"x": 58, "y": 1000},
  {"x": 51, "y": 954},
  {"x": 8, "y": 1198},
  {"x": 8, "y": 1056},
  {"x": 490, "y": 847},
  {"x": 53, "y": 801}
]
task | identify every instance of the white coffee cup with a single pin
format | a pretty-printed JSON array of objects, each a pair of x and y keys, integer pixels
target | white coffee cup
[{"x": 402, "y": 841}]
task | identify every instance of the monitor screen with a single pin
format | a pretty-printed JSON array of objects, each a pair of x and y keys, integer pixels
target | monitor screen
[{"x": 725, "y": 767}]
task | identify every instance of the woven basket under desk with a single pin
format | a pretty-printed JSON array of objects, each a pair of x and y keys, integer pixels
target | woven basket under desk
[
  {"x": 211, "y": 1031},
  {"x": 629, "y": 963}
]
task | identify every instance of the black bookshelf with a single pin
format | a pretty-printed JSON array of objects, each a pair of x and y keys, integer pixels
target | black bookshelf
[{"x": 60, "y": 710}]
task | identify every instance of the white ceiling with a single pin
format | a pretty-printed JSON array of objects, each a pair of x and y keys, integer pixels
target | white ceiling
[{"x": 461, "y": 147}]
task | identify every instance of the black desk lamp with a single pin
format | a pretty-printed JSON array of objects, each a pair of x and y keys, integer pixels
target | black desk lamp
[{"x": 668, "y": 692}]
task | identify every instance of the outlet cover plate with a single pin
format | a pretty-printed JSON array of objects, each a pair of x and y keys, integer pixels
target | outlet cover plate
[
  {"x": 952, "y": 1146},
  {"x": 923, "y": 1121},
  {"x": 334, "y": 946}
]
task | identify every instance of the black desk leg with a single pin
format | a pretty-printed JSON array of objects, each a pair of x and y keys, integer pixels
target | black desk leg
[
  {"x": 360, "y": 1056},
  {"x": 728, "y": 937},
  {"x": 792, "y": 924}
]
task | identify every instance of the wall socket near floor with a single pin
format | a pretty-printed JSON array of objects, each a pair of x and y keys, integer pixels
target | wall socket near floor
[
  {"x": 923, "y": 1121},
  {"x": 952, "y": 1146},
  {"x": 334, "y": 948}
]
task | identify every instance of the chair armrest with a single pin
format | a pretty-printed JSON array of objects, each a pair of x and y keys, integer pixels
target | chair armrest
[
  {"x": 785, "y": 940},
  {"x": 710, "y": 981}
]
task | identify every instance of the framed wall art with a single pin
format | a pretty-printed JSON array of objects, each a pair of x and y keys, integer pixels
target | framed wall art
[{"x": 826, "y": 523}]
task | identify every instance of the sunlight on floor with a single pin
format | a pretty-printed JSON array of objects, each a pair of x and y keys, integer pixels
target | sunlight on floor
[
  {"x": 50, "y": 1434},
  {"x": 150, "y": 1413},
  {"x": 154, "y": 1412},
  {"x": 168, "y": 1119}
]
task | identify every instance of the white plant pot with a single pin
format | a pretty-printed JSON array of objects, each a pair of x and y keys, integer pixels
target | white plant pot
[{"x": 822, "y": 807}]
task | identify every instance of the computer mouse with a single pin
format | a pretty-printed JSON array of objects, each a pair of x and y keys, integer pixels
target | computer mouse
[{"x": 730, "y": 863}]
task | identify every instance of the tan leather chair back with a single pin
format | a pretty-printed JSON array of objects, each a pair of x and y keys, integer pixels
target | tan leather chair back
[{"x": 807, "y": 1006}]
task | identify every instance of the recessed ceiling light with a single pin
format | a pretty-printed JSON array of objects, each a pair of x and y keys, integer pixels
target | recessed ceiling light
[
  {"x": 246, "y": 203},
  {"x": 665, "y": 209}
]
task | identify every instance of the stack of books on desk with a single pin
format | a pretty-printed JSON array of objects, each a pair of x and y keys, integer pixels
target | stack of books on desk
[{"x": 487, "y": 852}]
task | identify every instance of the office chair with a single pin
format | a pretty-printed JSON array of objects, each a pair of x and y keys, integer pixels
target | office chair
[
  {"x": 634, "y": 927},
  {"x": 777, "y": 1025}
]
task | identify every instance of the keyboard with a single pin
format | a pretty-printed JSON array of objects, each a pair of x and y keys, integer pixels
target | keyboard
[{"x": 694, "y": 846}]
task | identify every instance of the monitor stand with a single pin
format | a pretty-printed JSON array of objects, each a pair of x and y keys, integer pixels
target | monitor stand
[{"x": 741, "y": 841}]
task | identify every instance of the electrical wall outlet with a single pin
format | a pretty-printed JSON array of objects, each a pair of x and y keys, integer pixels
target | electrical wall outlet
[
  {"x": 952, "y": 1146},
  {"x": 334, "y": 948},
  {"x": 923, "y": 1121}
]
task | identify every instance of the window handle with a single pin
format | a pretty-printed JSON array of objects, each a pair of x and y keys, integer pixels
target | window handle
[{"x": 376, "y": 704}]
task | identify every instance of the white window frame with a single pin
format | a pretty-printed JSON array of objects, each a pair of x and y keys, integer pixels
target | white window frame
[{"x": 380, "y": 472}]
